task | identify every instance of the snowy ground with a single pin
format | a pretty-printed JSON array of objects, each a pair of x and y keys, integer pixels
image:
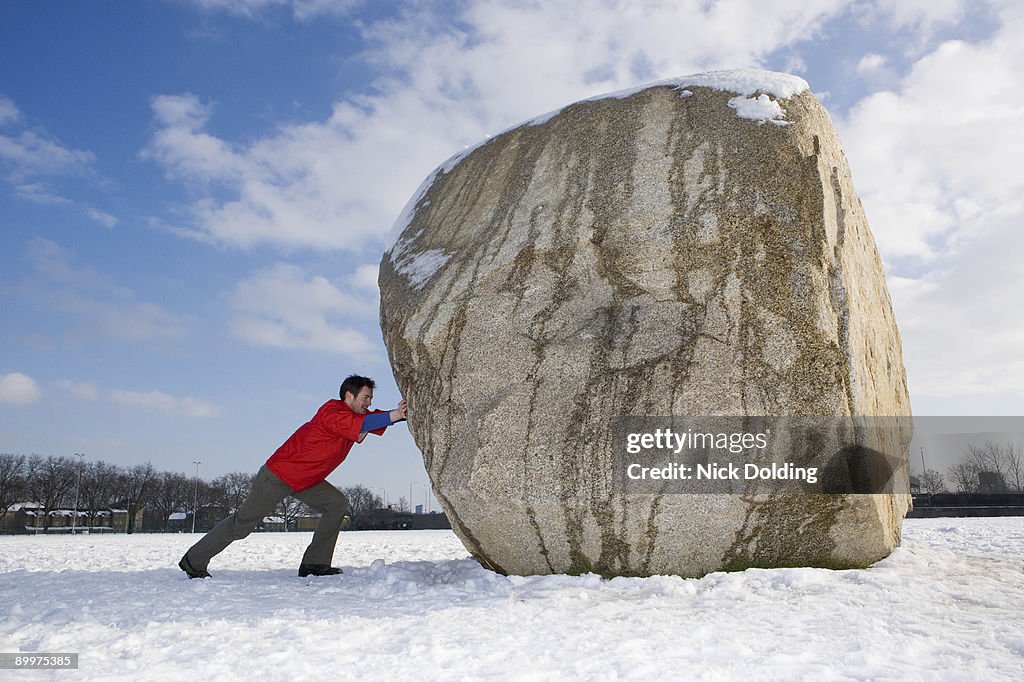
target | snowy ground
[{"x": 949, "y": 604}]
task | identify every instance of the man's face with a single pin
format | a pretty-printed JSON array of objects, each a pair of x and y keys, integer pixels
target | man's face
[{"x": 360, "y": 403}]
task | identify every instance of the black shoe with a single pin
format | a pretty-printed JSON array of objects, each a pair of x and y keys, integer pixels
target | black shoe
[
  {"x": 318, "y": 569},
  {"x": 186, "y": 566}
]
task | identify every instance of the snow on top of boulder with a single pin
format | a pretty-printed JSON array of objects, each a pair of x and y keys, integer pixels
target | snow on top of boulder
[
  {"x": 745, "y": 82},
  {"x": 760, "y": 108},
  {"x": 757, "y": 90},
  {"x": 749, "y": 83}
]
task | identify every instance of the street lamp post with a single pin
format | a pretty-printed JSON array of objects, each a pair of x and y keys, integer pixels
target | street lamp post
[
  {"x": 78, "y": 486},
  {"x": 195, "y": 498},
  {"x": 924, "y": 473},
  {"x": 412, "y": 501}
]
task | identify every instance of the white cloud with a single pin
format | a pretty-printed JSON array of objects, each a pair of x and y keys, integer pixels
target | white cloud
[
  {"x": 34, "y": 153},
  {"x": 40, "y": 193},
  {"x": 55, "y": 263},
  {"x": 8, "y": 111},
  {"x": 19, "y": 389},
  {"x": 944, "y": 144},
  {"x": 85, "y": 390},
  {"x": 314, "y": 185},
  {"x": 365, "y": 277},
  {"x": 141, "y": 321},
  {"x": 923, "y": 15},
  {"x": 795, "y": 64},
  {"x": 103, "y": 218},
  {"x": 183, "y": 149},
  {"x": 870, "y": 63},
  {"x": 33, "y": 161},
  {"x": 101, "y": 307},
  {"x": 450, "y": 75},
  {"x": 309, "y": 9},
  {"x": 283, "y": 307},
  {"x": 153, "y": 401},
  {"x": 877, "y": 72},
  {"x": 165, "y": 403},
  {"x": 936, "y": 163},
  {"x": 301, "y": 9},
  {"x": 30, "y": 154},
  {"x": 961, "y": 325}
]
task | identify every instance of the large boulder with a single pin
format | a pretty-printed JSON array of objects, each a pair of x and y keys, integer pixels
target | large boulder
[{"x": 692, "y": 247}]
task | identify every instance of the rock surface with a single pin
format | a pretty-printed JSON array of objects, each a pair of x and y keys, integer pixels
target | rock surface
[{"x": 693, "y": 247}]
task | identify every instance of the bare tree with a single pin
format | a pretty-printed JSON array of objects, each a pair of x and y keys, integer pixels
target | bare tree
[
  {"x": 1015, "y": 465},
  {"x": 988, "y": 457},
  {"x": 174, "y": 494},
  {"x": 202, "y": 494},
  {"x": 99, "y": 487},
  {"x": 213, "y": 493},
  {"x": 965, "y": 477},
  {"x": 290, "y": 509},
  {"x": 932, "y": 482},
  {"x": 403, "y": 505},
  {"x": 1005, "y": 460},
  {"x": 50, "y": 481},
  {"x": 136, "y": 488},
  {"x": 361, "y": 501},
  {"x": 235, "y": 487},
  {"x": 12, "y": 480}
]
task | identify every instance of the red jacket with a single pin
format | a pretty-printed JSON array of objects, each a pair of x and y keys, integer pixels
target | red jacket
[{"x": 319, "y": 445}]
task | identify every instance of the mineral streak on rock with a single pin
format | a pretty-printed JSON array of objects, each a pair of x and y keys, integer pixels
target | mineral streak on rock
[{"x": 693, "y": 247}]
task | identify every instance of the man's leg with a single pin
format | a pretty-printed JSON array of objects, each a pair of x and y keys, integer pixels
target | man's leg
[
  {"x": 333, "y": 506},
  {"x": 267, "y": 491}
]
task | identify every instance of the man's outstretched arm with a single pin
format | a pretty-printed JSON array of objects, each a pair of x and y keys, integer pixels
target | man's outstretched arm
[{"x": 379, "y": 420}]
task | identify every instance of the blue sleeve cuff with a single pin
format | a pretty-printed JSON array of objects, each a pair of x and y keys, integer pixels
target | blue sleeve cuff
[{"x": 379, "y": 420}]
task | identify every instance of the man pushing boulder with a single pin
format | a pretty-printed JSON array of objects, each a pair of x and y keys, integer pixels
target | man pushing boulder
[{"x": 299, "y": 468}]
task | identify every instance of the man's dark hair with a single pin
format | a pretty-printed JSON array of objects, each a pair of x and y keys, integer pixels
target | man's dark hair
[{"x": 355, "y": 383}]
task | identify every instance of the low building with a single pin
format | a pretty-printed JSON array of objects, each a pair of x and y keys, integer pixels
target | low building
[
  {"x": 272, "y": 524},
  {"x": 31, "y": 517},
  {"x": 391, "y": 519},
  {"x": 178, "y": 522},
  {"x": 991, "y": 482}
]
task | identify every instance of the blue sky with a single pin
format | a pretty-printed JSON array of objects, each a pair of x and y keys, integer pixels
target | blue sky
[{"x": 194, "y": 195}]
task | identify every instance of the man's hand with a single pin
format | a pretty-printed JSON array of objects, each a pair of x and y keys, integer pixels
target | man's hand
[{"x": 399, "y": 413}]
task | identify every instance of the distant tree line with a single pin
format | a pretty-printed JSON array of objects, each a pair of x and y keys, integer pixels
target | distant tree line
[
  {"x": 1003, "y": 462},
  {"x": 992, "y": 467},
  {"x": 53, "y": 483}
]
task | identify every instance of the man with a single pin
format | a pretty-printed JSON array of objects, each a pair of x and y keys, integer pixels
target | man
[{"x": 299, "y": 468}]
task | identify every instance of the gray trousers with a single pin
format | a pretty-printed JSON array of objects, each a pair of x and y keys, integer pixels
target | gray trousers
[{"x": 267, "y": 492}]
